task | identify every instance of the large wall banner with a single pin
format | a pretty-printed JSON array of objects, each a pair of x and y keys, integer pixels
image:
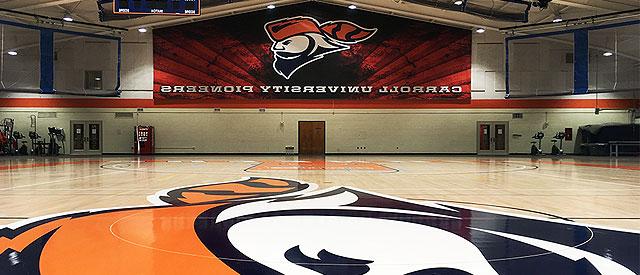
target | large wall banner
[{"x": 312, "y": 51}]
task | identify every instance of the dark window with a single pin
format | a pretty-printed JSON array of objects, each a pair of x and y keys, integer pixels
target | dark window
[{"x": 93, "y": 80}]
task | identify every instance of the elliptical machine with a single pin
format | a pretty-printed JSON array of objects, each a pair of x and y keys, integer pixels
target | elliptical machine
[
  {"x": 555, "y": 150},
  {"x": 537, "y": 150}
]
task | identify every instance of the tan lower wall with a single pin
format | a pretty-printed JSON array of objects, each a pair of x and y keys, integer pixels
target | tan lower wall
[{"x": 380, "y": 131}]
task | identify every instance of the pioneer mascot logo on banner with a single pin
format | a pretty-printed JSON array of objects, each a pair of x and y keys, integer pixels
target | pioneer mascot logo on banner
[
  {"x": 301, "y": 40},
  {"x": 278, "y": 226}
]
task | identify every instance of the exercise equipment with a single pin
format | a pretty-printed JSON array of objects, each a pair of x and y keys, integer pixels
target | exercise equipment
[
  {"x": 8, "y": 145},
  {"x": 38, "y": 147},
  {"x": 23, "y": 150},
  {"x": 555, "y": 150},
  {"x": 4, "y": 142},
  {"x": 537, "y": 150},
  {"x": 56, "y": 135}
]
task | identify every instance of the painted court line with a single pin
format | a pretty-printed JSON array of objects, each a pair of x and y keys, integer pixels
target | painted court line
[
  {"x": 597, "y": 165},
  {"x": 590, "y": 180},
  {"x": 60, "y": 180}
]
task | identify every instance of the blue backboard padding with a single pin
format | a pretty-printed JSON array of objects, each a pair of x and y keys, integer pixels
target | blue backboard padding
[
  {"x": 581, "y": 62},
  {"x": 46, "y": 61}
]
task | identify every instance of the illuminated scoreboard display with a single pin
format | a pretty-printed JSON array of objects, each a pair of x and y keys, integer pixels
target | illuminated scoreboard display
[{"x": 157, "y": 7}]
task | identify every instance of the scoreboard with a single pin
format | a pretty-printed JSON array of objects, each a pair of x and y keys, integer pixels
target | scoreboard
[{"x": 157, "y": 7}]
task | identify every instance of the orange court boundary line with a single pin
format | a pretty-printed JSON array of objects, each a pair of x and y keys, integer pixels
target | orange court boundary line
[
  {"x": 608, "y": 166},
  {"x": 35, "y": 165}
]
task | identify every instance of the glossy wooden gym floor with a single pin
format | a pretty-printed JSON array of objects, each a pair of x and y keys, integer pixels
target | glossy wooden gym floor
[
  {"x": 336, "y": 215},
  {"x": 596, "y": 190}
]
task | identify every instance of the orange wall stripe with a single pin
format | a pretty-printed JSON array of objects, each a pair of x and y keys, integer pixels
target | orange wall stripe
[{"x": 318, "y": 104}]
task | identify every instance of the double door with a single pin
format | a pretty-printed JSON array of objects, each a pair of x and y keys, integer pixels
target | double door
[
  {"x": 86, "y": 137},
  {"x": 493, "y": 138}
]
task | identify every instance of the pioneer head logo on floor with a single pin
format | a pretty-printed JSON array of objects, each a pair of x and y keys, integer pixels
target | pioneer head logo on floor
[{"x": 278, "y": 226}]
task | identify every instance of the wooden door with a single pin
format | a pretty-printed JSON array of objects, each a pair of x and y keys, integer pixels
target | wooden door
[{"x": 311, "y": 138}]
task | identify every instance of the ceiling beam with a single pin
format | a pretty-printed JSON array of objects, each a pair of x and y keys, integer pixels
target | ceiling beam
[
  {"x": 76, "y": 14},
  {"x": 407, "y": 10},
  {"x": 33, "y": 4},
  {"x": 552, "y": 15},
  {"x": 210, "y": 12},
  {"x": 423, "y": 13},
  {"x": 596, "y": 5}
]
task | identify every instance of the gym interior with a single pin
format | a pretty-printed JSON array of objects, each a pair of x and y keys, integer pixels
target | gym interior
[{"x": 320, "y": 137}]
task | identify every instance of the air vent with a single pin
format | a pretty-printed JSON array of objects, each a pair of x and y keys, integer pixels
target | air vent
[
  {"x": 568, "y": 58},
  {"x": 47, "y": 114},
  {"x": 124, "y": 115},
  {"x": 517, "y": 116}
]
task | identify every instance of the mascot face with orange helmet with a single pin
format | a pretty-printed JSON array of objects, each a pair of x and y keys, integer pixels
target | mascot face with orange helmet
[
  {"x": 301, "y": 40},
  {"x": 280, "y": 226}
]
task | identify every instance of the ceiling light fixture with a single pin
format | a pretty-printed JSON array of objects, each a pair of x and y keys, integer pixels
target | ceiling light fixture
[
  {"x": 480, "y": 30},
  {"x": 557, "y": 19},
  {"x": 67, "y": 17},
  {"x": 143, "y": 30},
  {"x": 607, "y": 54},
  {"x": 352, "y": 7},
  {"x": 12, "y": 53},
  {"x": 271, "y": 6},
  {"x": 458, "y": 3}
]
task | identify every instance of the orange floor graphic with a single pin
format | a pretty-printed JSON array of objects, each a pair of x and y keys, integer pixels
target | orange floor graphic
[{"x": 278, "y": 165}]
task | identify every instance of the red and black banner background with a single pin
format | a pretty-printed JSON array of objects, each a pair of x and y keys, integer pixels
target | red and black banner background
[{"x": 236, "y": 51}]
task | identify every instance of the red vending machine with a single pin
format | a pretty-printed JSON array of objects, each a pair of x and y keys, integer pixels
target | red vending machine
[{"x": 143, "y": 141}]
